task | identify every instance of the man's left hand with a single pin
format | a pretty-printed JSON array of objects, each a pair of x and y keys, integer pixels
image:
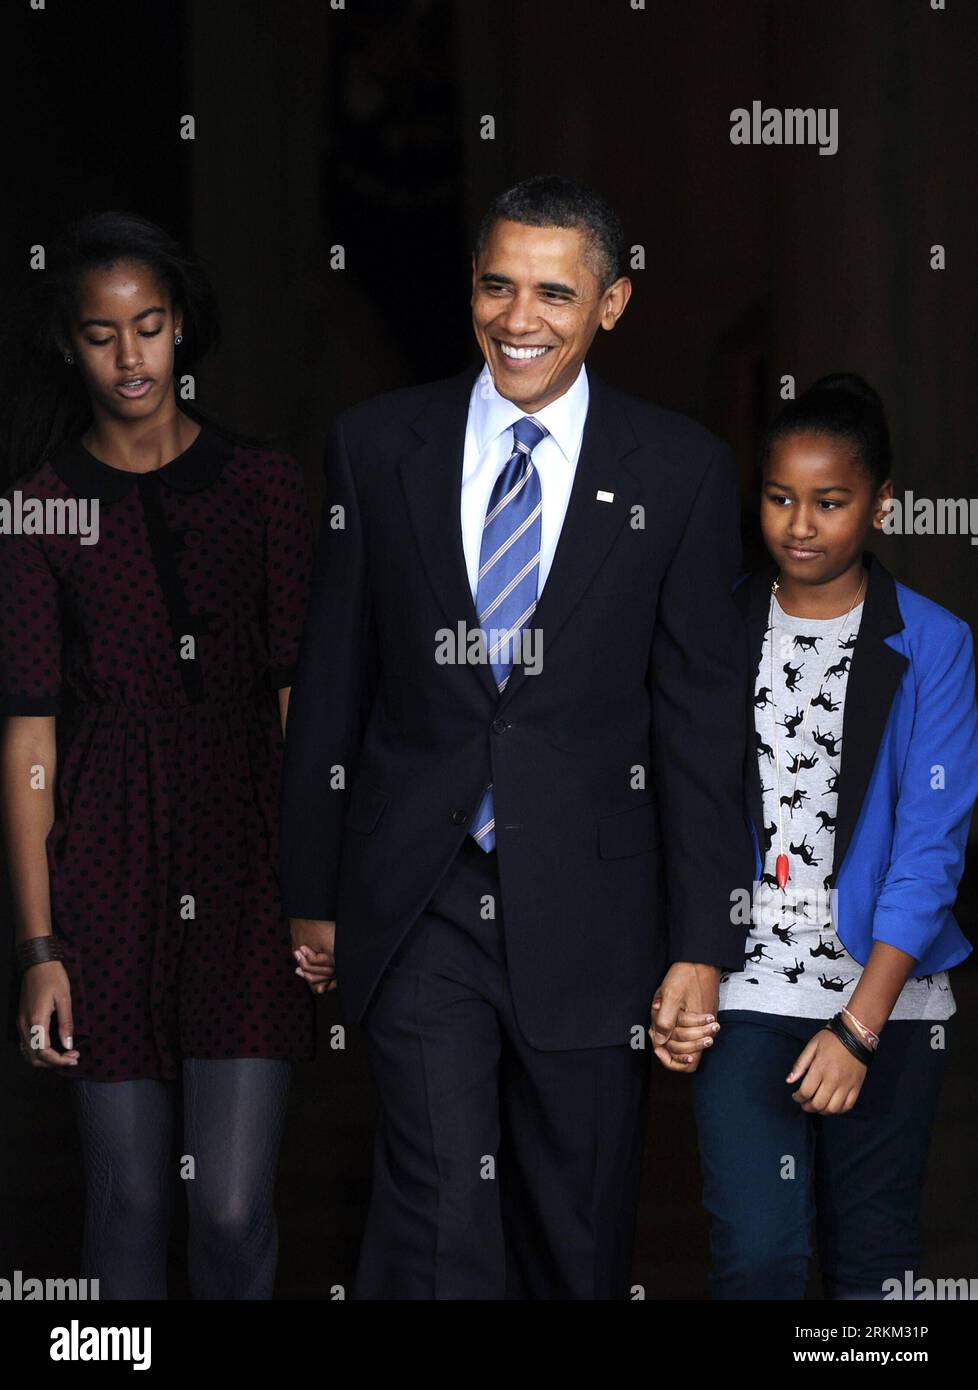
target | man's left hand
[{"x": 690, "y": 987}]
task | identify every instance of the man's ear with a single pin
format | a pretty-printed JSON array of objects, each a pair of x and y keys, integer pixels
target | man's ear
[
  {"x": 615, "y": 299},
  {"x": 475, "y": 271}
]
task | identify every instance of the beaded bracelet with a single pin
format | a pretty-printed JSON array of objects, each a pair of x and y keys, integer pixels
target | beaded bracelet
[{"x": 35, "y": 951}]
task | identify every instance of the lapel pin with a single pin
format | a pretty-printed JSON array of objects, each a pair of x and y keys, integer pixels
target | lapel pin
[{"x": 606, "y": 497}]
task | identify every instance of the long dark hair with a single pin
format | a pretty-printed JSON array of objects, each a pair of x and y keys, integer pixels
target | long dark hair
[
  {"x": 845, "y": 407},
  {"x": 47, "y": 402}
]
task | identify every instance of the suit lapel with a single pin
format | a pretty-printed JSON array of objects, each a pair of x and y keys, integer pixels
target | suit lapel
[
  {"x": 874, "y": 674},
  {"x": 589, "y": 526},
  {"x": 431, "y": 476}
]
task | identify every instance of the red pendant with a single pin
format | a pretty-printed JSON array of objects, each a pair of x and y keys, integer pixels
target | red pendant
[{"x": 781, "y": 870}]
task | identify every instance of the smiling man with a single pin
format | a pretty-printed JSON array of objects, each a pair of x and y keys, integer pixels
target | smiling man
[
  {"x": 538, "y": 298},
  {"x": 508, "y": 859}
]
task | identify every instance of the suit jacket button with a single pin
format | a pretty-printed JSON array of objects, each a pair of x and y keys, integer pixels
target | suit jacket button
[
  {"x": 499, "y": 726},
  {"x": 459, "y": 818}
]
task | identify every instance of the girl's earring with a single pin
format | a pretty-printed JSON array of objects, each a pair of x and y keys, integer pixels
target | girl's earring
[
  {"x": 178, "y": 340},
  {"x": 69, "y": 359}
]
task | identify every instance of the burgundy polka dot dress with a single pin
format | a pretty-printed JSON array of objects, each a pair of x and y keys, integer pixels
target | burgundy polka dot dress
[{"x": 160, "y": 649}]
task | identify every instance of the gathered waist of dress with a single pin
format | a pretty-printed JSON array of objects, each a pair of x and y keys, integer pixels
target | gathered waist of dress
[{"x": 259, "y": 701}]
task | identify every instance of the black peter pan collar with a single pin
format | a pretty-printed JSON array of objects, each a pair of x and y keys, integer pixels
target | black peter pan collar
[{"x": 196, "y": 468}]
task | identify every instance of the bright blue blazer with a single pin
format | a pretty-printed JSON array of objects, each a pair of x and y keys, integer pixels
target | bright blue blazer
[{"x": 908, "y": 778}]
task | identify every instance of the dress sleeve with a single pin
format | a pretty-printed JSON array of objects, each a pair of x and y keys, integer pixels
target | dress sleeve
[
  {"x": 30, "y": 628},
  {"x": 288, "y": 564}
]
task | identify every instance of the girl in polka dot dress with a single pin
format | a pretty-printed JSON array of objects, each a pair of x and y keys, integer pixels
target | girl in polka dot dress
[{"x": 154, "y": 573}]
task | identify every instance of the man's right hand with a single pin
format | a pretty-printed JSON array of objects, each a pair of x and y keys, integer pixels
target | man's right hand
[{"x": 313, "y": 945}]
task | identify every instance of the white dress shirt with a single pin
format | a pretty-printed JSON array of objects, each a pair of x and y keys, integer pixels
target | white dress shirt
[{"x": 488, "y": 446}]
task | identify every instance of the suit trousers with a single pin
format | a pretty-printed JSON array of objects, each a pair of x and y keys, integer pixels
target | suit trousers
[{"x": 500, "y": 1171}]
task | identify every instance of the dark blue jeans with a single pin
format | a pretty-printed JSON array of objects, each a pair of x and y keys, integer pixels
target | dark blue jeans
[{"x": 769, "y": 1167}]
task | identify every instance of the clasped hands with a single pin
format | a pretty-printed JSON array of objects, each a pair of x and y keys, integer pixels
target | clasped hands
[
  {"x": 684, "y": 1024},
  {"x": 313, "y": 946}
]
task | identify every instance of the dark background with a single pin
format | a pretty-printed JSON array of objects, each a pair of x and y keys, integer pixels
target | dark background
[{"x": 361, "y": 128}]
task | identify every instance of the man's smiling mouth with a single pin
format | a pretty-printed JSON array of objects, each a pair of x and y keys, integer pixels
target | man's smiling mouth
[{"x": 521, "y": 354}]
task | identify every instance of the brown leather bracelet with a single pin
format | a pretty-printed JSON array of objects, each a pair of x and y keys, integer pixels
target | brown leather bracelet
[{"x": 36, "y": 950}]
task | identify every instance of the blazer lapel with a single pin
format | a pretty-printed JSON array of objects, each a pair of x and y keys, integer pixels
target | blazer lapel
[
  {"x": 874, "y": 675},
  {"x": 590, "y": 526},
  {"x": 753, "y": 598}
]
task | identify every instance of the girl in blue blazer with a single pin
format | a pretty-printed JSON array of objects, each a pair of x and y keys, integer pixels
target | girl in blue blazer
[{"x": 817, "y": 1095}]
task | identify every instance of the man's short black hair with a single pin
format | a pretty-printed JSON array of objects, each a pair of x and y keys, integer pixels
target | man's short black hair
[{"x": 551, "y": 200}]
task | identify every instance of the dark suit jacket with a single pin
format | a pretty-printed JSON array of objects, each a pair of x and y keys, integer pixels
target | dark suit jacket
[{"x": 620, "y": 825}]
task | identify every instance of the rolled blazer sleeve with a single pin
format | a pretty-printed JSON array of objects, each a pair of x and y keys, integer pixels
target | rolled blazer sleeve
[
  {"x": 938, "y": 788},
  {"x": 697, "y": 682},
  {"x": 330, "y": 699}
]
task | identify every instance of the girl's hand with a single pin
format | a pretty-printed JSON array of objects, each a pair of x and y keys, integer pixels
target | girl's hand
[
  {"x": 833, "y": 1076},
  {"x": 688, "y": 989},
  {"x": 45, "y": 989},
  {"x": 313, "y": 947},
  {"x": 693, "y": 1033}
]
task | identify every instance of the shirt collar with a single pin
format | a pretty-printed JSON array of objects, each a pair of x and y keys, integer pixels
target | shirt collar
[
  {"x": 196, "y": 468},
  {"x": 563, "y": 418}
]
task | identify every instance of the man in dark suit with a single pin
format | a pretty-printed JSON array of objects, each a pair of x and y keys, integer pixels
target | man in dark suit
[{"x": 513, "y": 775}]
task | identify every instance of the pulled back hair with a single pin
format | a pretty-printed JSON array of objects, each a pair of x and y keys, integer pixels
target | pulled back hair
[
  {"x": 45, "y": 400},
  {"x": 554, "y": 200},
  {"x": 842, "y": 406}
]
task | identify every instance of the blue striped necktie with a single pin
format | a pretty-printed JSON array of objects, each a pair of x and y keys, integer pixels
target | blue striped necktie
[{"x": 509, "y": 568}]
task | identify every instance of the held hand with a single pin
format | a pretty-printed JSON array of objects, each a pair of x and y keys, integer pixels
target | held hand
[
  {"x": 688, "y": 987},
  {"x": 313, "y": 945},
  {"x": 693, "y": 1033},
  {"x": 46, "y": 990},
  {"x": 833, "y": 1077}
]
